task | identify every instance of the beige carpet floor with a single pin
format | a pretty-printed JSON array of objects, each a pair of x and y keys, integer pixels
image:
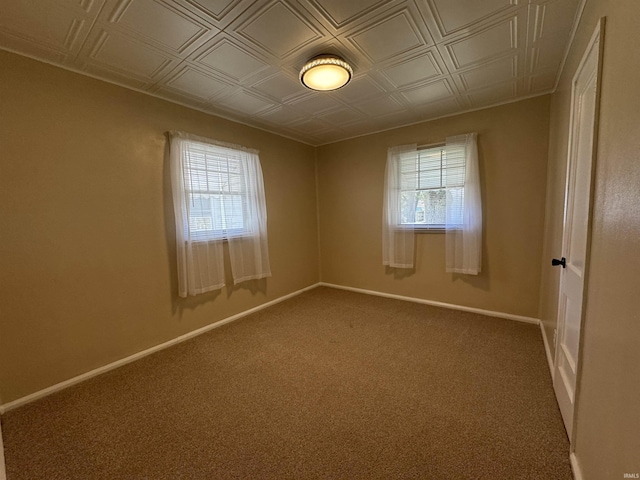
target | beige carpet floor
[{"x": 327, "y": 385}]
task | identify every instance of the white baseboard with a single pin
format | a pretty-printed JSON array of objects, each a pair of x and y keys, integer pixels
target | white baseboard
[
  {"x": 575, "y": 467},
  {"x": 132, "y": 358},
  {"x": 98, "y": 371},
  {"x": 489, "y": 313},
  {"x": 547, "y": 350}
]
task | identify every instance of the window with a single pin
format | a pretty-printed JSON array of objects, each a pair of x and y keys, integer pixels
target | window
[
  {"x": 215, "y": 185},
  {"x": 429, "y": 181},
  {"x": 434, "y": 189},
  {"x": 218, "y": 196}
]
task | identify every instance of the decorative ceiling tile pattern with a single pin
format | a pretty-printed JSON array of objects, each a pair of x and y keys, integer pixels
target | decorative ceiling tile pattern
[{"x": 413, "y": 60}]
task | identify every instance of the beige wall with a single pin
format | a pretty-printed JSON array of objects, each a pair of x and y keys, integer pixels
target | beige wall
[
  {"x": 606, "y": 439},
  {"x": 87, "y": 249},
  {"x": 512, "y": 143}
]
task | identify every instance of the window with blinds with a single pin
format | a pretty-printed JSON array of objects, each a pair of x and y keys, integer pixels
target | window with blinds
[
  {"x": 432, "y": 187},
  {"x": 215, "y": 185}
]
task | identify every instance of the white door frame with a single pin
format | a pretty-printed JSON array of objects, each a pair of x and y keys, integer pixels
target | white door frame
[
  {"x": 3, "y": 472},
  {"x": 597, "y": 36}
]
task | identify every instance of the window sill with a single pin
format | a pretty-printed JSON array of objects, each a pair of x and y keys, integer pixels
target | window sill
[
  {"x": 224, "y": 239},
  {"x": 425, "y": 229}
]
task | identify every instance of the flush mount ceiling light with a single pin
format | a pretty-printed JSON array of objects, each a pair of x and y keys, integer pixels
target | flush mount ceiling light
[{"x": 326, "y": 72}]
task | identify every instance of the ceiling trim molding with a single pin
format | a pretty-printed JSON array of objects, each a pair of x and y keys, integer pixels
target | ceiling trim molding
[
  {"x": 154, "y": 95},
  {"x": 235, "y": 120},
  {"x": 572, "y": 36},
  {"x": 470, "y": 110}
]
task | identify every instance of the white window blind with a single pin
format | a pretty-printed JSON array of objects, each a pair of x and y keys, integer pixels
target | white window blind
[
  {"x": 429, "y": 181},
  {"x": 217, "y": 192},
  {"x": 218, "y": 196}
]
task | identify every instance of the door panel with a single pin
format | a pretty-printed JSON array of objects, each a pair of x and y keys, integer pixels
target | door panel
[{"x": 578, "y": 195}]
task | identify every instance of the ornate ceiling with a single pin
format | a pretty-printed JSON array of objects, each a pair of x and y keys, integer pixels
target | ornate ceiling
[{"x": 414, "y": 60}]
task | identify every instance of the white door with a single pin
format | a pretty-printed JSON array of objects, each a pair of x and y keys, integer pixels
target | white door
[{"x": 575, "y": 239}]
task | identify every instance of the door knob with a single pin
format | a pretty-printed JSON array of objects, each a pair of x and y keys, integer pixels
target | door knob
[{"x": 563, "y": 261}]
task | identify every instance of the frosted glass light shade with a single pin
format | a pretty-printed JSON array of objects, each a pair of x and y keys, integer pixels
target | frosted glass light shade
[{"x": 326, "y": 72}]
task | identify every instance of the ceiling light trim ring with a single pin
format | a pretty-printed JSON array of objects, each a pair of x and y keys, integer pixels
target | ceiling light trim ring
[{"x": 326, "y": 60}]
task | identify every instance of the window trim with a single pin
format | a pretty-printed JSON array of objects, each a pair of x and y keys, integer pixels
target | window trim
[{"x": 433, "y": 228}]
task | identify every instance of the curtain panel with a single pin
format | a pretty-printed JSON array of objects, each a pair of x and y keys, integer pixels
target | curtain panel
[
  {"x": 463, "y": 228},
  {"x": 398, "y": 240}
]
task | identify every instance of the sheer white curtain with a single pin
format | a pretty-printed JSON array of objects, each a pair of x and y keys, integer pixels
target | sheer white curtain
[
  {"x": 249, "y": 252},
  {"x": 398, "y": 240},
  {"x": 463, "y": 219},
  {"x": 218, "y": 196},
  {"x": 200, "y": 261}
]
